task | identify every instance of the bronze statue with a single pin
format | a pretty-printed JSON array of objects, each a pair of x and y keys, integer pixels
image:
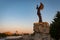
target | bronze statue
[{"x": 38, "y": 11}]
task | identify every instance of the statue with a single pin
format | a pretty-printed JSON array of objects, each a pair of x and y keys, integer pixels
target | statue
[{"x": 38, "y": 11}]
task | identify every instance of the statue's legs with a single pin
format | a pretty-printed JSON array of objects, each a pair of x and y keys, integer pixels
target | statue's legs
[{"x": 40, "y": 18}]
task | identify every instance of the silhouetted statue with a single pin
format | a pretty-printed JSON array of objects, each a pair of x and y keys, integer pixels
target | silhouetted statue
[{"x": 38, "y": 11}]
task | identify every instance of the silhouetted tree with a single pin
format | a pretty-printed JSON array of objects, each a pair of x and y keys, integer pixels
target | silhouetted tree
[
  {"x": 2, "y": 35},
  {"x": 55, "y": 27}
]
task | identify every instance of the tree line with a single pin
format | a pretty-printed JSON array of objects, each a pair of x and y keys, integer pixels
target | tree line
[{"x": 55, "y": 27}]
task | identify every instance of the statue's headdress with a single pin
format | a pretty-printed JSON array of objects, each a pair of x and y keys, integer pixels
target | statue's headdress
[{"x": 41, "y": 6}]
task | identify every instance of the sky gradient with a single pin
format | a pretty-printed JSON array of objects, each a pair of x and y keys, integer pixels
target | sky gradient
[{"x": 21, "y": 14}]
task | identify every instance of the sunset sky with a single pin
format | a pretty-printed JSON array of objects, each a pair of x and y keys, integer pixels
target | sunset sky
[{"x": 20, "y": 15}]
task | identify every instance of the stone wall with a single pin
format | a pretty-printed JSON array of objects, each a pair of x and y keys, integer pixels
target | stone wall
[{"x": 42, "y": 27}]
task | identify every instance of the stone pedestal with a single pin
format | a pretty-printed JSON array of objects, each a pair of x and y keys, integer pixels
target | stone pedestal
[{"x": 42, "y": 29}]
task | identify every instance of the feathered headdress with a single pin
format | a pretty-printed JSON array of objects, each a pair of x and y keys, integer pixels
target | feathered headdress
[{"x": 41, "y": 6}]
